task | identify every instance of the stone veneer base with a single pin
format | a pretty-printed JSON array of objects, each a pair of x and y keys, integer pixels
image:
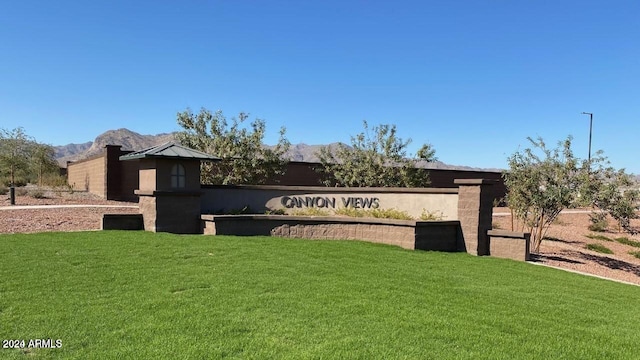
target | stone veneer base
[{"x": 422, "y": 235}]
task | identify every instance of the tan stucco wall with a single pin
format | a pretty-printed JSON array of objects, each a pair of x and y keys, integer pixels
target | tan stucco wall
[
  {"x": 221, "y": 199},
  {"x": 89, "y": 175}
]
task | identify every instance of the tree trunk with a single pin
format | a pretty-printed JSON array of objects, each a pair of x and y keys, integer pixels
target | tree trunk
[
  {"x": 512, "y": 221},
  {"x": 539, "y": 235}
]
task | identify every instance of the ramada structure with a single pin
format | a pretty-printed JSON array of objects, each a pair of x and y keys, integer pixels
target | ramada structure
[{"x": 172, "y": 200}]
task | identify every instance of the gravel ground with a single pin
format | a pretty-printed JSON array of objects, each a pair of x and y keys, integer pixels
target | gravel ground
[
  {"x": 565, "y": 247},
  {"x": 58, "y": 219}
]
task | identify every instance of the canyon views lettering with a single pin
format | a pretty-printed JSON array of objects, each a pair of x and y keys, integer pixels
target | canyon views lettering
[{"x": 329, "y": 202}]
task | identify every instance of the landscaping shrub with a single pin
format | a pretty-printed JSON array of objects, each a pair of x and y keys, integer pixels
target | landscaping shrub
[
  {"x": 599, "y": 248},
  {"x": 54, "y": 180},
  {"x": 275, "y": 212},
  {"x": 310, "y": 212},
  {"x": 4, "y": 190},
  {"x": 627, "y": 241},
  {"x": 37, "y": 194},
  {"x": 375, "y": 213},
  {"x": 389, "y": 214},
  {"x": 598, "y": 237},
  {"x": 635, "y": 254},
  {"x": 432, "y": 216},
  {"x": 351, "y": 212},
  {"x": 21, "y": 191},
  {"x": 598, "y": 221}
]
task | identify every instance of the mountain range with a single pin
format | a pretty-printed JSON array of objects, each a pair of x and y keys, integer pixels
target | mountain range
[{"x": 131, "y": 140}]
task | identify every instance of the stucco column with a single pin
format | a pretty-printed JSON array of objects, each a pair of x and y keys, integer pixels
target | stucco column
[{"x": 475, "y": 211}]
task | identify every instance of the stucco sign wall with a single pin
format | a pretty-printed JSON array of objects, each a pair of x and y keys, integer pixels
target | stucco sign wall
[{"x": 225, "y": 199}]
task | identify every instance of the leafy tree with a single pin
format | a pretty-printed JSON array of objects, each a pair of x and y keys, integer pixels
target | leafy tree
[
  {"x": 375, "y": 158},
  {"x": 244, "y": 158},
  {"x": 542, "y": 182},
  {"x": 615, "y": 193},
  {"x": 42, "y": 160},
  {"x": 541, "y": 185},
  {"x": 15, "y": 152}
]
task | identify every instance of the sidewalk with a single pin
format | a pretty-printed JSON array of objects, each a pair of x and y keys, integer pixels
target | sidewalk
[{"x": 29, "y": 207}]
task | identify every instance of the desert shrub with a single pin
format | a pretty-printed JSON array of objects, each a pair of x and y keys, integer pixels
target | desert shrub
[
  {"x": 599, "y": 248},
  {"x": 3, "y": 190},
  {"x": 598, "y": 221},
  {"x": 54, "y": 180},
  {"x": 635, "y": 254},
  {"x": 21, "y": 191},
  {"x": 375, "y": 213},
  {"x": 495, "y": 225},
  {"x": 311, "y": 212},
  {"x": 598, "y": 237},
  {"x": 389, "y": 214},
  {"x": 37, "y": 194},
  {"x": 275, "y": 212},
  {"x": 627, "y": 241},
  {"x": 432, "y": 215},
  {"x": 19, "y": 182},
  {"x": 351, "y": 212}
]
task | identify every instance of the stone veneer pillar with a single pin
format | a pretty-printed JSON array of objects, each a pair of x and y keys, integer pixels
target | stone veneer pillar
[
  {"x": 475, "y": 211},
  {"x": 163, "y": 207}
]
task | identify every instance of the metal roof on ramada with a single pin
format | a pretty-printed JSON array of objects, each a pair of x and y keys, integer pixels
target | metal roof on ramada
[{"x": 169, "y": 150}]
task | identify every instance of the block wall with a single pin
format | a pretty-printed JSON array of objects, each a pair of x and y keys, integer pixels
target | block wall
[
  {"x": 437, "y": 235},
  {"x": 89, "y": 175},
  {"x": 509, "y": 245}
]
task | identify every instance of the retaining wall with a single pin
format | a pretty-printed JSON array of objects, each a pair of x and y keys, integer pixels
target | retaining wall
[{"x": 422, "y": 235}]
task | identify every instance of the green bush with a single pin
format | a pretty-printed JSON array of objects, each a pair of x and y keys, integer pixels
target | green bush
[
  {"x": 627, "y": 241},
  {"x": 599, "y": 248},
  {"x": 389, "y": 214},
  {"x": 37, "y": 194},
  {"x": 275, "y": 212},
  {"x": 310, "y": 212},
  {"x": 375, "y": 213},
  {"x": 351, "y": 212},
  {"x": 433, "y": 216},
  {"x": 635, "y": 254},
  {"x": 18, "y": 182},
  {"x": 598, "y": 221},
  {"x": 54, "y": 180},
  {"x": 598, "y": 237}
]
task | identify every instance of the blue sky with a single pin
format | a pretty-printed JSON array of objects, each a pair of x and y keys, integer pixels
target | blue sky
[{"x": 473, "y": 78}]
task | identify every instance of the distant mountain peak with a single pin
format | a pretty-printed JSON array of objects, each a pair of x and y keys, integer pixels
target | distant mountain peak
[{"x": 129, "y": 140}]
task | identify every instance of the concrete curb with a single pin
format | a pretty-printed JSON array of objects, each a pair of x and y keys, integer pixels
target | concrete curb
[{"x": 582, "y": 273}]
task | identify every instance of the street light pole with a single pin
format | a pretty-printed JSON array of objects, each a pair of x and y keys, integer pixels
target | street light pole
[{"x": 590, "y": 130}]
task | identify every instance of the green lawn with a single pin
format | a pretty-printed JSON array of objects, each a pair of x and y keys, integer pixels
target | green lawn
[{"x": 137, "y": 295}]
